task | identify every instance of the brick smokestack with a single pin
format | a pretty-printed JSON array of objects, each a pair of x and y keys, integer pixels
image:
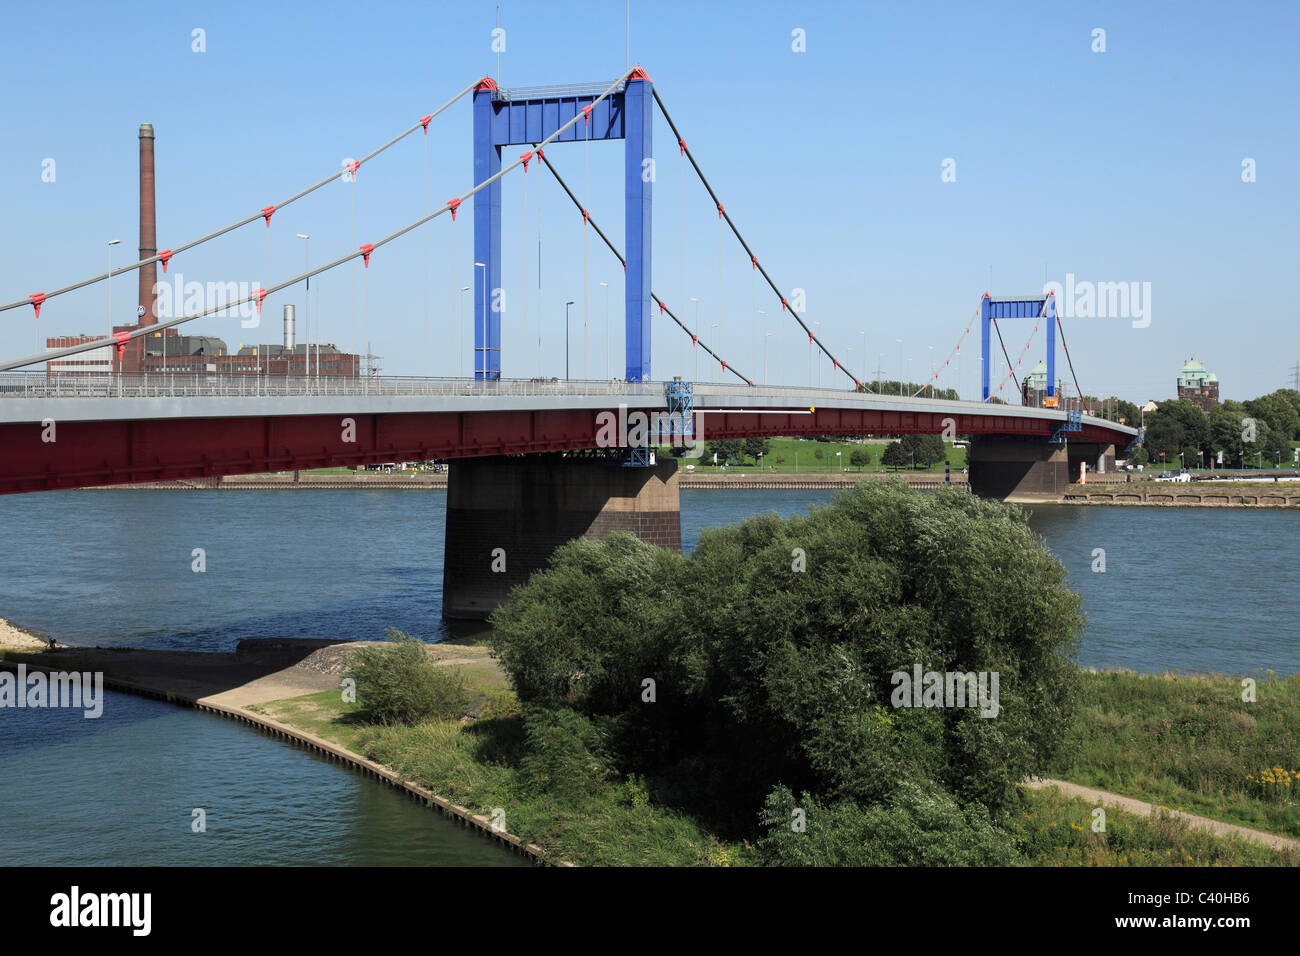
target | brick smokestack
[{"x": 148, "y": 227}]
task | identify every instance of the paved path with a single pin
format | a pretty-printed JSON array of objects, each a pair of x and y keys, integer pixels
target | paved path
[{"x": 1143, "y": 809}]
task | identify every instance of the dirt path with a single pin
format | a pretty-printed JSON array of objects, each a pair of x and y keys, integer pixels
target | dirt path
[{"x": 1143, "y": 809}]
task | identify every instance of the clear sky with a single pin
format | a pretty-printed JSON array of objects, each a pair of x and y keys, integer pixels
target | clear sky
[{"x": 1117, "y": 166}]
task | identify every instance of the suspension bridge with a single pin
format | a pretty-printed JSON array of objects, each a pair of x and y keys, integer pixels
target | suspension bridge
[{"x": 533, "y": 466}]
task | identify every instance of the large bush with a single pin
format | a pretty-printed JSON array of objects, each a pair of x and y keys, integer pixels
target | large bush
[
  {"x": 398, "y": 684},
  {"x": 771, "y": 649}
]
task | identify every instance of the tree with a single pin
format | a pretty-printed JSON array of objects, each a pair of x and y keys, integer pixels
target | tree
[
  {"x": 860, "y": 458},
  {"x": 772, "y": 675},
  {"x": 727, "y": 449},
  {"x": 894, "y": 455},
  {"x": 925, "y": 449},
  {"x": 755, "y": 448}
]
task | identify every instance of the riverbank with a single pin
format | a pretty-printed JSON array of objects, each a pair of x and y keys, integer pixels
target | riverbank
[
  {"x": 239, "y": 685},
  {"x": 290, "y": 689},
  {"x": 1208, "y": 494}
]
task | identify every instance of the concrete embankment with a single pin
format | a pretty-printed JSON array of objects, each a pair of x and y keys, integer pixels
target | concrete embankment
[
  {"x": 1187, "y": 495},
  {"x": 230, "y": 684}
]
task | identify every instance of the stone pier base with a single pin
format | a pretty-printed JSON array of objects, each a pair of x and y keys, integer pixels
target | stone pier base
[
  {"x": 1032, "y": 469},
  {"x": 527, "y": 506}
]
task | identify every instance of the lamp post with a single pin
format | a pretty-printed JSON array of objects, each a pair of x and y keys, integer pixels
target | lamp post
[
  {"x": 460, "y": 331},
  {"x": 566, "y": 339},
  {"x": 483, "y": 266},
  {"x": 715, "y": 325},
  {"x": 695, "y": 341},
  {"x": 111, "y": 244},
  {"x": 306, "y": 314},
  {"x": 606, "y": 285}
]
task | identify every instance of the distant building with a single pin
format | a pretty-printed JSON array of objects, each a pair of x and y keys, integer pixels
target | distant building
[
  {"x": 1033, "y": 390},
  {"x": 1198, "y": 385}
]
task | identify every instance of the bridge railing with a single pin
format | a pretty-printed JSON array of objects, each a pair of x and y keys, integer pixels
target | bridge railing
[{"x": 249, "y": 384}]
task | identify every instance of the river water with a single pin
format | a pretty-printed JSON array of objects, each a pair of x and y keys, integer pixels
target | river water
[{"x": 1184, "y": 589}]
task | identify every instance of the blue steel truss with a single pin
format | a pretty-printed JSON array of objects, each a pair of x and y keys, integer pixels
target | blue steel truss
[
  {"x": 1073, "y": 423},
  {"x": 1019, "y": 307},
  {"x": 528, "y": 116}
]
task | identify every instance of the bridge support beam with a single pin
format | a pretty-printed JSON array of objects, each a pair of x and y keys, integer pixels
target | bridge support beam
[
  {"x": 1032, "y": 469},
  {"x": 506, "y": 516}
]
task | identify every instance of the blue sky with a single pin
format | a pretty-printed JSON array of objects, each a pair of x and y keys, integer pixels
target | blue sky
[{"x": 1117, "y": 166}]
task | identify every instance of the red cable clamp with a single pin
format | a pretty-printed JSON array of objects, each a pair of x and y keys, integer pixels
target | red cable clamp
[
  {"x": 835, "y": 365},
  {"x": 753, "y": 262},
  {"x": 258, "y": 296},
  {"x": 694, "y": 340},
  {"x": 719, "y": 210},
  {"x": 365, "y": 252},
  {"x": 267, "y": 213},
  {"x": 453, "y": 204},
  {"x": 783, "y": 308},
  {"x": 425, "y": 123},
  {"x": 724, "y": 366},
  {"x": 353, "y": 167},
  {"x": 526, "y": 157},
  {"x": 682, "y": 143},
  {"x": 38, "y": 298},
  {"x": 540, "y": 154},
  {"x": 751, "y": 383},
  {"x": 810, "y": 338},
  {"x": 586, "y": 113},
  {"x": 661, "y": 307},
  {"x": 584, "y": 217},
  {"x": 163, "y": 256},
  {"x": 121, "y": 338}
]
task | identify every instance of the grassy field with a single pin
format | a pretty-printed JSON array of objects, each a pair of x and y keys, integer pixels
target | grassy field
[
  {"x": 1185, "y": 744},
  {"x": 1191, "y": 743},
  {"x": 794, "y": 455}
]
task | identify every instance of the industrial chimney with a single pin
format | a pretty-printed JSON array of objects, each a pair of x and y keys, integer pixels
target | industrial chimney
[
  {"x": 288, "y": 328},
  {"x": 148, "y": 228}
]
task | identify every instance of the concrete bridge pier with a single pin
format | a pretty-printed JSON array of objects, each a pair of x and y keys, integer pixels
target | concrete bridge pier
[
  {"x": 507, "y": 515},
  {"x": 1016, "y": 468}
]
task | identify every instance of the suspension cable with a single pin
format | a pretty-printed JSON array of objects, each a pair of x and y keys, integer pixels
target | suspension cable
[
  {"x": 121, "y": 338},
  {"x": 1078, "y": 391},
  {"x": 934, "y": 377},
  {"x": 812, "y": 337},
  {"x": 169, "y": 253},
  {"x": 663, "y": 307}
]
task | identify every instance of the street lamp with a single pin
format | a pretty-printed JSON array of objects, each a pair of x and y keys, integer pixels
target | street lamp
[
  {"x": 306, "y": 315},
  {"x": 715, "y": 325},
  {"x": 460, "y": 332},
  {"x": 695, "y": 341},
  {"x": 111, "y": 244},
  {"x": 766, "y": 336},
  {"x": 483, "y": 266},
  {"x": 816, "y": 325},
  {"x": 566, "y": 339},
  {"x": 606, "y": 285}
]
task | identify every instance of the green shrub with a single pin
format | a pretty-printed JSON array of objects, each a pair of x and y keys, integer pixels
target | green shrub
[
  {"x": 398, "y": 684},
  {"x": 564, "y": 753},
  {"x": 917, "y": 827}
]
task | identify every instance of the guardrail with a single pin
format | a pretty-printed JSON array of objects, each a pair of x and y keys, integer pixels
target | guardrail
[{"x": 181, "y": 385}]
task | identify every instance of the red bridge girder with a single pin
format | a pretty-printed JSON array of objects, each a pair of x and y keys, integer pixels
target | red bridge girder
[{"x": 85, "y": 454}]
